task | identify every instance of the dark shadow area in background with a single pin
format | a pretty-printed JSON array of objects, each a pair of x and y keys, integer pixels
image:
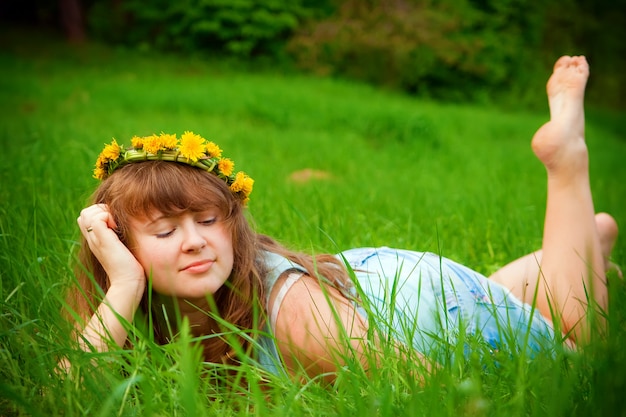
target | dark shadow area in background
[{"x": 595, "y": 29}]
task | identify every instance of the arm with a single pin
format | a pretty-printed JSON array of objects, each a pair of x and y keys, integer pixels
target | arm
[
  {"x": 125, "y": 274},
  {"x": 119, "y": 305}
]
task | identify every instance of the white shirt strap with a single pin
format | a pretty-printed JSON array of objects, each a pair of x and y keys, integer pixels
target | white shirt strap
[{"x": 291, "y": 279}]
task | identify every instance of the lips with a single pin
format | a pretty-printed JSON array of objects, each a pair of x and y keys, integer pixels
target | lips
[{"x": 198, "y": 267}]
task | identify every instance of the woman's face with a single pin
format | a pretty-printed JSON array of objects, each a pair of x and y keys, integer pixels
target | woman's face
[{"x": 187, "y": 256}]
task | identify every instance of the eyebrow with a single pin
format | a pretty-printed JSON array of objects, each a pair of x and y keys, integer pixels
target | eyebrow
[{"x": 152, "y": 221}]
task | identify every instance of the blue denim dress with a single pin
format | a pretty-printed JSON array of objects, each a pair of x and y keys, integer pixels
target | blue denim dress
[{"x": 429, "y": 303}]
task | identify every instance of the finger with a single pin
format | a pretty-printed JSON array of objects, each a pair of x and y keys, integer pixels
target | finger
[
  {"x": 110, "y": 219},
  {"x": 99, "y": 223},
  {"x": 95, "y": 217},
  {"x": 84, "y": 224}
]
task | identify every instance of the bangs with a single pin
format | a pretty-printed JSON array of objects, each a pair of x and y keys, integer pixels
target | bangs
[{"x": 174, "y": 188}]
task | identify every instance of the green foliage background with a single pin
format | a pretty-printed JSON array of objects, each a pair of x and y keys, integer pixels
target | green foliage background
[
  {"x": 456, "y": 50},
  {"x": 241, "y": 28},
  {"x": 452, "y": 49}
]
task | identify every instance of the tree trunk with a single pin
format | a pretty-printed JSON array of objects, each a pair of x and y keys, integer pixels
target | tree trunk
[{"x": 72, "y": 20}]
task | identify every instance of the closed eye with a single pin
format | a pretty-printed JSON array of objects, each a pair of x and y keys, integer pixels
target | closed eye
[
  {"x": 165, "y": 234},
  {"x": 209, "y": 221}
]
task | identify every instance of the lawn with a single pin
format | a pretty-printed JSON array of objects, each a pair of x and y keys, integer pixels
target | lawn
[{"x": 456, "y": 179}]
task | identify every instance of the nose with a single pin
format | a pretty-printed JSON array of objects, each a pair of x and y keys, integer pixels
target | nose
[{"x": 193, "y": 240}]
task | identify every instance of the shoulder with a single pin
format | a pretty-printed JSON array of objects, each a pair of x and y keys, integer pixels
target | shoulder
[
  {"x": 274, "y": 261},
  {"x": 314, "y": 323},
  {"x": 275, "y": 266}
]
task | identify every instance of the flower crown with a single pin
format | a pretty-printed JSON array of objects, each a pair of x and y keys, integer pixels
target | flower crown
[{"x": 191, "y": 149}]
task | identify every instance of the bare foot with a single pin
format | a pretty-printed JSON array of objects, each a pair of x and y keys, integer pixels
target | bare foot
[
  {"x": 560, "y": 143},
  {"x": 607, "y": 230}
]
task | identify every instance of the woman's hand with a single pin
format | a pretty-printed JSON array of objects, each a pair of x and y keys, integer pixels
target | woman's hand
[
  {"x": 126, "y": 277},
  {"x": 98, "y": 227}
]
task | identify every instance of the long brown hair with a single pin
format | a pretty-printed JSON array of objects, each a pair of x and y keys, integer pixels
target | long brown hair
[{"x": 138, "y": 189}]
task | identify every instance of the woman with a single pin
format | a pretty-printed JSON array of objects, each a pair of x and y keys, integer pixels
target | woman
[{"x": 167, "y": 235}]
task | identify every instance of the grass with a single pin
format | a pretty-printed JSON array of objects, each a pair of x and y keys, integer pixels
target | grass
[{"x": 459, "y": 180}]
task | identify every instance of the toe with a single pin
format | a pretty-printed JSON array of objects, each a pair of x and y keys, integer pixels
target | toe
[{"x": 563, "y": 61}]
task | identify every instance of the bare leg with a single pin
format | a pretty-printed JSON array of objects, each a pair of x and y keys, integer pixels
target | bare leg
[
  {"x": 572, "y": 271},
  {"x": 517, "y": 274}
]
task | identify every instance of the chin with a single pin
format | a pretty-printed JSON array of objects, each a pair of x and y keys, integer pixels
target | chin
[{"x": 203, "y": 293}]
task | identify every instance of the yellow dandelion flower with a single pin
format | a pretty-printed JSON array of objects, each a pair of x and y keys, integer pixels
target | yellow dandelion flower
[
  {"x": 152, "y": 144},
  {"x": 137, "y": 142},
  {"x": 238, "y": 184},
  {"x": 213, "y": 150},
  {"x": 99, "y": 173},
  {"x": 169, "y": 141},
  {"x": 226, "y": 166},
  {"x": 192, "y": 146},
  {"x": 248, "y": 184},
  {"x": 101, "y": 161},
  {"x": 111, "y": 151}
]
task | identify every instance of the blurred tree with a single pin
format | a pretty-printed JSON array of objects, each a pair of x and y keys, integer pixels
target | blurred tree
[
  {"x": 72, "y": 20},
  {"x": 238, "y": 27},
  {"x": 64, "y": 15},
  {"x": 442, "y": 48},
  {"x": 459, "y": 47},
  {"x": 467, "y": 48}
]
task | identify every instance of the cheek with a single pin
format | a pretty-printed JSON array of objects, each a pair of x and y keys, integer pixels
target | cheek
[
  {"x": 150, "y": 256},
  {"x": 159, "y": 270},
  {"x": 228, "y": 246}
]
